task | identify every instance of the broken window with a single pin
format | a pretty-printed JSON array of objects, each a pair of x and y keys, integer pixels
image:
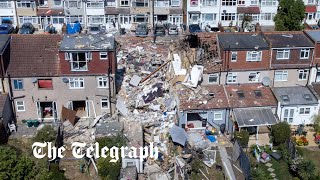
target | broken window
[
  {"x": 254, "y": 77},
  {"x": 258, "y": 93},
  {"x": 103, "y": 82},
  {"x": 76, "y": 83},
  {"x": 104, "y": 104},
  {"x": 18, "y": 84},
  {"x": 103, "y": 55},
  {"x": 45, "y": 84},
  {"x": 79, "y": 60}
]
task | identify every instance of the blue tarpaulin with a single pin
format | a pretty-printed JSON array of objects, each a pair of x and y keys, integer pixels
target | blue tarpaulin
[{"x": 73, "y": 28}]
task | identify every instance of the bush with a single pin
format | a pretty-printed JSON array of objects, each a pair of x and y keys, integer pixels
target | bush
[
  {"x": 242, "y": 137},
  {"x": 259, "y": 174},
  {"x": 280, "y": 132},
  {"x": 46, "y": 134},
  {"x": 316, "y": 123},
  {"x": 306, "y": 170},
  {"x": 302, "y": 141}
]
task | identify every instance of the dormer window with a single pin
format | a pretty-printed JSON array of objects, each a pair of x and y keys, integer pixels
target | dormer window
[
  {"x": 283, "y": 54},
  {"x": 304, "y": 53},
  {"x": 78, "y": 60}
]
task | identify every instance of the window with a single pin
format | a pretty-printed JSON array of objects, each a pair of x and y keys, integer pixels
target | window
[
  {"x": 194, "y": 3},
  {"x": 229, "y": 2},
  {"x": 241, "y": 2},
  {"x": 240, "y": 94},
  {"x": 310, "y": 1},
  {"x": 228, "y": 16},
  {"x": 25, "y": 4},
  {"x": 283, "y": 54},
  {"x": 303, "y": 74},
  {"x": 254, "y": 2},
  {"x": 285, "y": 98},
  {"x": 307, "y": 97},
  {"x": 310, "y": 16},
  {"x": 209, "y": 17},
  {"x": 28, "y": 19},
  {"x": 258, "y": 93},
  {"x": 125, "y": 19},
  {"x": 254, "y": 55},
  {"x": 57, "y": 3},
  {"x": 76, "y": 83},
  {"x": 268, "y": 2},
  {"x": 124, "y": 2},
  {"x": 254, "y": 77},
  {"x": 159, "y": 3},
  {"x": 95, "y": 19},
  {"x": 104, "y": 104},
  {"x": 255, "y": 17},
  {"x": 175, "y": 2},
  {"x": 288, "y": 115},
  {"x": 43, "y": 3},
  {"x": 217, "y": 115},
  {"x": 318, "y": 14},
  {"x": 232, "y": 77},
  {"x": 234, "y": 56},
  {"x": 73, "y": 4},
  {"x": 281, "y": 76},
  {"x": 18, "y": 84},
  {"x": 79, "y": 61},
  {"x": 102, "y": 82},
  {"x": 57, "y": 20},
  {"x": 5, "y": 4},
  {"x": 267, "y": 16},
  {"x": 209, "y": 3},
  {"x": 111, "y": 3},
  {"x": 20, "y": 106},
  {"x": 304, "y": 111},
  {"x": 213, "y": 78},
  {"x": 103, "y": 55},
  {"x": 95, "y": 4},
  {"x": 71, "y": 19},
  {"x": 45, "y": 84},
  {"x": 304, "y": 53}
]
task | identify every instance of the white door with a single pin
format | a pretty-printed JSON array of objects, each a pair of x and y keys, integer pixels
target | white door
[
  {"x": 39, "y": 111},
  {"x": 288, "y": 115}
]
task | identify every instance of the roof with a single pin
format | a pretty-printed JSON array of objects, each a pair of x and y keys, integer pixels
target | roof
[
  {"x": 297, "y": 95},
  {"x": 254, "y": 117},
  {"x": 209, "y": 97},
  {"x": 313, "y": 34},
  {"x": 283, "y": 39},
  {"x": 242, "y": 41},
  {"x": 254, "y": 95},
  {"x": 311, "y": 9},
  {"x": 87, "y": 42},
  {"x": 175, "y": 11},
  {"x": 248, "y": 10},
  {"x": 50, "y": 12},
  {"x": 315, "y": 89},
  {"x": 4, "y": 38},
  {"x": 34, "y": 55},
  {"x": 111, "y": 11}
]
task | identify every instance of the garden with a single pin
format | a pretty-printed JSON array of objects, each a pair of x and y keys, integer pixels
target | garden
[{"x": 288, "y": 156}]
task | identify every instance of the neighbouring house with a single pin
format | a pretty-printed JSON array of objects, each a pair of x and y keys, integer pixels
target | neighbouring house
[
  {"x": 291, "y": 58},
  {"x": 4, "y": 59},
  {"x": 74, "y": 11},
  {"x": 198, "y": 108},
  {"x": 87, "y": 67},
  {"x": 314, "y": 35},
  {"x": 244, "y": 59},
  {"x": 296, "y": 105},
  {"x": 8, "y": 10},
  {"x": 252, "y": 105},
  {"x": 51, "y": 12},
  {"x": 27, "y": 12},
  {"x": 6, "y": 117}
]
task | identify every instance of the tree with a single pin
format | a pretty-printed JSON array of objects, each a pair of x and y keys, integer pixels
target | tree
[
  {"x": 107, "y": 169},
  {"x": 290, "y": 15},
  {"x": 280, "y": 132},
  {"x": 316, "y": 123},
  {"x": 242, "y": 137}
]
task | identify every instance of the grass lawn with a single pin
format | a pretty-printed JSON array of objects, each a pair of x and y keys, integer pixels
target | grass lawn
[
  {"x": 314, "y": 156},
  {"x": 281, "y": 169}
]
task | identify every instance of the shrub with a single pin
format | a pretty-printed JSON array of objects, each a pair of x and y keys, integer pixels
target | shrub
[
  {"x": 306, "y": 169},
  {"x": 259, "y": 174},
  {"x": 316, "y": 123},
  {"x": 302, "y": 141},
  {"x": 281, "y": 132},
  {"x": 242, "y": 137},
  {"x": 46, "y": 134}
]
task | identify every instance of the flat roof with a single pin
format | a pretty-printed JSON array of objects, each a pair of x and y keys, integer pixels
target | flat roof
[
  {"x": 314, "y": 35},
  {"x": 83, "y": 42},
  {"x": 254, "y": 117}
]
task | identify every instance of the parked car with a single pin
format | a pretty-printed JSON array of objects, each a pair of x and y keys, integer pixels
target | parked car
[
  {"x": 96, "y": 29},
  {"x": 6, "y": 26},
  {"x": 160, "y": 30},
  {"x": 26, "y": 28},
  {"x": 194, "y": 28},
  {"x": 173, "y": 30},
  {"x": 208, "y": 28},
  {"x": 142, "y": 29}
]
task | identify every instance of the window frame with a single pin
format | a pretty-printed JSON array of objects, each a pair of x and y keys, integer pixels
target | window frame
[
  {"x": 284, "y": 72},
  {"x": 47, "y": 80},
  {"x": 304, "y": 110},
  {"x": 284, "y": 51},
  {"x": 104, "y": 100},
  {"x": 232, "y": 56},
  {"x": 103, "y": 54},
  {"x": 304, "y": 72},
  {"x": 22, "y": 83},
  {"x": 23, "y": 105},
  {"x": 228, "y": 2},
  {"x": 213, "y": 76},
  {"x": 249, "y": 57},
  {"x": 6, "y": 5},
  {"x": 234, "y": 77},
  {"x": 102, "y": 79},
  {"x": 256, "y": 77},
  {"x": 304, "y": 52},
  {"x": 217, "y": 113},
  {"x": 78, "y": 80}
]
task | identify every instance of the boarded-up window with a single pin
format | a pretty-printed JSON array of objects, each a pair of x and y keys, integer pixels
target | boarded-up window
[{"x": 45, "y": 83}]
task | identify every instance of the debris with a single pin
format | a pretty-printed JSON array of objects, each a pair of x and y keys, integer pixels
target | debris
[
  {"x": 122, "y": 107},
  {"x": 135, "y": 80},
  {"x": 178, "y": 135}
]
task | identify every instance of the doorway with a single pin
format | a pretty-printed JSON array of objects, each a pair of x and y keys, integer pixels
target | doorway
[
  {"x": 47, "y": 110},
  {"x": 81, "y": 108}
]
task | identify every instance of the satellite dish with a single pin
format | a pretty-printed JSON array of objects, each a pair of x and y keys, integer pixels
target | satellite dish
[
  {"x": 266, "y": 81},
  {"x": 34, "y": 80},
  {"x": 65, "y": 80}
]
